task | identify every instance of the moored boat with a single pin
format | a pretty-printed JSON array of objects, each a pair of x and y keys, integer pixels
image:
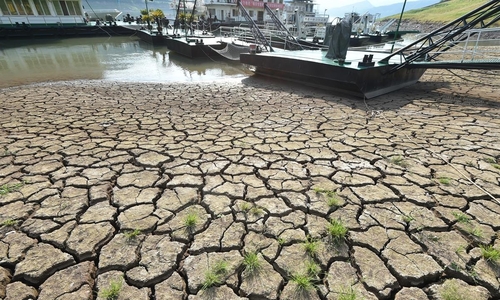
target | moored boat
[{"x": 369, "y": 74}]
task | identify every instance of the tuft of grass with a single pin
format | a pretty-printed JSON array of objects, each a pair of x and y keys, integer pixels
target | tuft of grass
[
  {"x": 132, "y": 234},
  {"x": 221, "y": 267},
  {"x": 191, "y": 220},
  {"x": 490, "y": 254},
  {"x": 451, "y": 291},
  {"x": 112, "y": 291},
  {"x": 311, "y": 246},
  {"x": 337, "y": 230},
  {"x": 407, "y": 218},
  {"x": 245, "y": 207},
  {"x": 444, "y": 180},
  {"x": 213, "y": 276},
  {"x": 461, "y": 217},
  {"x": 312, "y": 268},
  {"x": 332, "y": 199},
  {"x": 211, "y": 279},
  {"x": 251, "y": 263},
  {"x": 256, "y": 211},
  {"x": 474, "y": 231},
  {"x": 493, "y": 162},
  {"x": 303, "y": 283},
  {"x": 399, "y": 161},
  {"x": 9, "y": 188},
  {"x": 490, "y": 160},
  {"x": 347, "y": 293},
  {"x": 9, "y": 223},
  {"x": 460, "y": 249},
  {"x": 281, "y": 241}
]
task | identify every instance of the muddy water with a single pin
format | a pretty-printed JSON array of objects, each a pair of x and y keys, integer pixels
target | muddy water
[{"x": 124, "y": 59}]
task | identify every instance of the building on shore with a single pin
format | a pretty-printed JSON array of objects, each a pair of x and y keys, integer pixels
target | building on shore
[{"x": 227, "y": 10}]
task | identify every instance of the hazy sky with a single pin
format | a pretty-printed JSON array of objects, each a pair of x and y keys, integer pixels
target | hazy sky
[{"x": 326, "y": 4}]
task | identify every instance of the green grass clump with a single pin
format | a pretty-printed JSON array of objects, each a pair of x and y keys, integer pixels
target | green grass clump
[
  {"x": 132, "y": 234},
  {"x": 251, "y": 263},
  {"x": 451, "y": 291},
  {"x": 490, "y": 254},
  {"x": 347, "y": 293},
  {"x": 399, "y": 161},
  {"x": 9, "y": 223},
  {"x": 256, "y": 211},
  {"x": 112, "y": 291},
  {"x": 214, "y": 275},
  {"x": 461, "y": 217},
  {"x": 474, "y": 231},
  {"x": 407, "y": 218},
  {"x": 191, "y": 220},
  {"x": 490, "y": 160},
  {"x": 312, "y": 268},
  {"x": 337, "y": 230},
  {"x": 245, "y": 207},
  {"x": 303, "y": 283},
  {"x": 311, "y": 246},
  {"x": 9, "y": 188},
  {"x": 444, "y": 180},
  {"x": 332, "y": 199}
]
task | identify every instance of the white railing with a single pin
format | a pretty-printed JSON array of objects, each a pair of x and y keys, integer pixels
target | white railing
[
  {"x": 41, "y": 20},
  {"x": 480, "y": 45}
]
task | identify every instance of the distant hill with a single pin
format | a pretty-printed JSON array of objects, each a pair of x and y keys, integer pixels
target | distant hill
[
  {"x": 445, "y": 11},
  {"x": 384, "y": 11}
]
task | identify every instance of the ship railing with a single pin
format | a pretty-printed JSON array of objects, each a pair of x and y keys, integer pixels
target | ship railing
[
  {"x": 19, "y": 21},
  {"x": 480, "y": 45},
  {"x": 276, "y": 37}
]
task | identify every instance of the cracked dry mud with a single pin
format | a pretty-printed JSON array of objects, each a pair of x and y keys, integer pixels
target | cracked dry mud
[{"x": 167, "y": 191}]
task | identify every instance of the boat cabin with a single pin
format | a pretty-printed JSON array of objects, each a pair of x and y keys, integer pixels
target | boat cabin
[
  {"x": 227, "y": 10},
  {"x": 36, "y": 13}
]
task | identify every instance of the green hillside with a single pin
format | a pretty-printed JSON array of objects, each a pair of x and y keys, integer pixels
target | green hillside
[{"x": 442, "y": 12}]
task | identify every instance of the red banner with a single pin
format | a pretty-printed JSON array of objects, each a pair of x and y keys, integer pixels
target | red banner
[{"x": 260, "y": 4}]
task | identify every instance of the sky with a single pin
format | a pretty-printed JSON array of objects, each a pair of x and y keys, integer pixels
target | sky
[{"x": 327, "y": 4}]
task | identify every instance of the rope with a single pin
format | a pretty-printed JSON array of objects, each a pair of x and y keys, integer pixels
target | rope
[
  {"x": 231, "y": 51},
  {"x": 435, "y": 154}
]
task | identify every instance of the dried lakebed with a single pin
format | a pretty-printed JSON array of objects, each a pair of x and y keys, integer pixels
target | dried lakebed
[{"x": 257, "y": 190}]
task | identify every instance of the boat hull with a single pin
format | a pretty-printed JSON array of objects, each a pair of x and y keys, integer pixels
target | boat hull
[
  {"x": 190, "y": 48},
  {"x": 365, "y": 82},
  {"x": 153, "y": 38},
  {"x": 26, "y": 32}
]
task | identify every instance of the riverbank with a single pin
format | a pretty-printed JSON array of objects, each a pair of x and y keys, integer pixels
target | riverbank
[{"x": 259, "y": 189}]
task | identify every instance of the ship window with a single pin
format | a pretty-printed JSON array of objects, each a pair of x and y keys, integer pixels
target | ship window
[
  {"x": 27, "y": 7},
  {"x": 15, "y": 7},
  {"x": 7, "y": 8},
  {"x": 64, "y": 8},
  {"x": 41, "y": 7},
  {"x": 58, "y": 8},
  {"x": 73, "y": 8},
  {"x": 250, "y": 12},
  {"x": 76, "y": 8}
]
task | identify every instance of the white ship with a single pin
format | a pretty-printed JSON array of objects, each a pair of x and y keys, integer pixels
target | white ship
[{"x": 47, "y": 13}]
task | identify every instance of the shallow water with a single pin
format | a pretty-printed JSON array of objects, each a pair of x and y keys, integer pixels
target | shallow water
[{"x": 124, "y": 59}]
